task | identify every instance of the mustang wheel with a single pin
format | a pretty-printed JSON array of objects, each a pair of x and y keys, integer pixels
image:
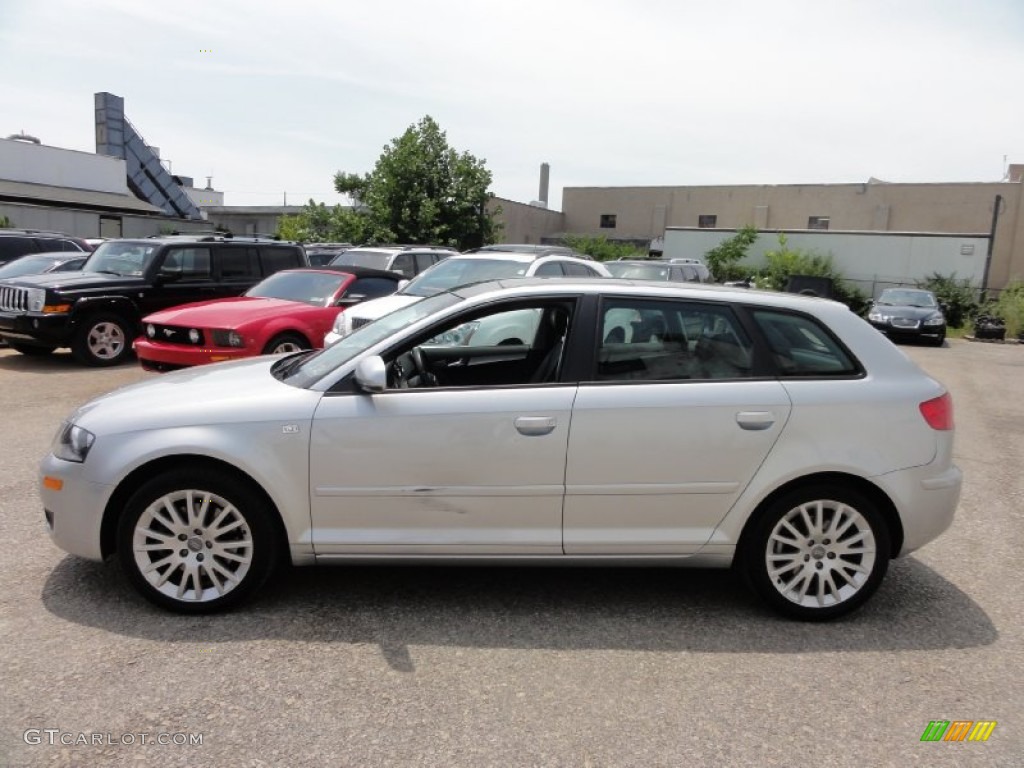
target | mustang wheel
[
  {"x": 818, "y": 553},
  {"x": 285, "y": 342},
  {"x": 196, "y": 541},
  {"x": 102, "y": 340}
]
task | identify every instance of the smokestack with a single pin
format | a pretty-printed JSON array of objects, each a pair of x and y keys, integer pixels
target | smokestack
[{"x": 545, "y": 172}]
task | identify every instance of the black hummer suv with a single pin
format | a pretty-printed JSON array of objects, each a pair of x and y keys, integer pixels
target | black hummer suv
[{"x": 97, "y": 311}]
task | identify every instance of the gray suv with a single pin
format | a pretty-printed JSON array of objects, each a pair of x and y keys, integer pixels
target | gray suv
[{"x": 406, "y": 260}]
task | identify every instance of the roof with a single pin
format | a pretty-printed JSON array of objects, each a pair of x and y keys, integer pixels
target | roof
[
  {"x": 43, "y": 194},
  {"x": 353, "y": 270}
]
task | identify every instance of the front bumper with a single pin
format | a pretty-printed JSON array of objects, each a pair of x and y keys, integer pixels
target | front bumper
[
  {"x": 160, "y": 356},
  {"x": 54, "y": 330},
  {"x": 74, "y": 514},
  {"x": 914, "y": 331}
]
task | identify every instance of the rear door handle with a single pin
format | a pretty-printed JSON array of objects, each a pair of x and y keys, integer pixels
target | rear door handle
[
  {"x": 535, "y": 425},
  {"x": 755, "y": 420}
]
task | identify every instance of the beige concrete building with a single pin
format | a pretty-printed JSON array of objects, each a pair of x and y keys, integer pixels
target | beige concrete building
[
  {"x": 522, "y": 223},
  {"x": 645, "y": 212}
]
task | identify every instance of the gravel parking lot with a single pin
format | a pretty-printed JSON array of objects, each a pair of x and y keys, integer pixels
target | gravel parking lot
[{"x": 545, "y": 667}]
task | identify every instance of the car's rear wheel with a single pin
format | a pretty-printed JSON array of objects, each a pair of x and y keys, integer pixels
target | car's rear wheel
[
  {"x": 103, "y": 340},
  {"x": 286, "y": 342},
  {"x": 197, "y": 541},
  {"x": 30, "y": 350},
  {"x": 818, "y": 552}
]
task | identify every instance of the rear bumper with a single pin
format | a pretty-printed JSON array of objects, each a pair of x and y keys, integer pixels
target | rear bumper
[{"x": 929, "y": 496}]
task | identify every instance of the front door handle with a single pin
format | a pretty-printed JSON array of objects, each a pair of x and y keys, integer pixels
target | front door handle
[
  {"x": 535, "y": 425},
  {"x": 755, "y": 419}
]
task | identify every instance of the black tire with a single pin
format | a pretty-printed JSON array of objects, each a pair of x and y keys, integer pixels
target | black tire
[
  {"x": 215, "y": 572},
  {"x": 286, "y": 342},
  {"x": 103, "y": 340},
  {"x": 835, "y": 574},
  {"x": 30, "y": 350}
]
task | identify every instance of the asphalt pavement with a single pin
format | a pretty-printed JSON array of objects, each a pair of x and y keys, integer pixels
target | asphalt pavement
[{"x": 517, "y": 667}]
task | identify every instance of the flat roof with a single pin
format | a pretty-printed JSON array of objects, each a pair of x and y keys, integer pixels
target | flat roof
[{"x": 23, "y": 191}]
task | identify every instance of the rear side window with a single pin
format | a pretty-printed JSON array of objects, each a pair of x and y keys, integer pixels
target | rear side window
[
  {"x": 238, "y": 264},
  {"x": 666, "y": 340},
  {"x": 13, "y": 247},
  {"x": 579, "y": 270},
  {"x": 550, "y": 269},
  {"x": 802, "y": 347},
  {"x": 275, "y": 258}
]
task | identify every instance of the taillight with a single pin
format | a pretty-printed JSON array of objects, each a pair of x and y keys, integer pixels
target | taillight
[{"x": 938, "y": 412}]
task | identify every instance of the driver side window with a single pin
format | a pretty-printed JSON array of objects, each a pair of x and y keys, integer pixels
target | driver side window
[{"x": 510, "y": 346}]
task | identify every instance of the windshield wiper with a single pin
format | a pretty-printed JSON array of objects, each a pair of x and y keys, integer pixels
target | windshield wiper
[{"x": 284, "y": 368}]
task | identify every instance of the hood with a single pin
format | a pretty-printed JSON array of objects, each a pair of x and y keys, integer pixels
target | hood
[
  {"x": 375, "y": 308},
  {"x": 77, "y": 281},
  {"x": 229, "y": 313},
  {"x": 220, "y": 393}
]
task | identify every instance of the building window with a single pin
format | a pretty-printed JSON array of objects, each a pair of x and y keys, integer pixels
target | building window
[
  {"x": 707, "y": 221},
  {"x": 817, "y": 222},
  {"x": 607, "y": 221}
]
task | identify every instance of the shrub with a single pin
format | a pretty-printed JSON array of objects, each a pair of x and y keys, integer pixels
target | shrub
[
  {"x": 723, "y": 260},
  {"x": 784, "y": 262},
  {"x": 958, "y": 298},
  {"x": 603, "y": 249},
  {"x": 1009, "y": 308}
]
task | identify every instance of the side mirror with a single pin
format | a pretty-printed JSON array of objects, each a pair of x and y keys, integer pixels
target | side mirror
[
  {"x": 350, "y": 300},
  {"x": 371, "y": 375},
  {"x": 402, "y": 284}
]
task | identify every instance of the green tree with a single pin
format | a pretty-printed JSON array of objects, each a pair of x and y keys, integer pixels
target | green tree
[
  {"x": 5, "y": 223},
  {"x": 603, "y": 249},
  {"x": 318, "y": 223},
  {"x": 421, "y": 190},
  {"x": 723, "y": 260}
]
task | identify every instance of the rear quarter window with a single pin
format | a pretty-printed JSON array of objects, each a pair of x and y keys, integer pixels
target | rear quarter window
[{"x": 801, "y": 346}]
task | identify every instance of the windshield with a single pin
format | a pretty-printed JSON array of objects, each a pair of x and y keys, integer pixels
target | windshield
[
  {"x": 315, "y": 367},
  {"x": 453, "y": 272},
  {"x": 316, "y": 288},
  {"x": 119, "y": 258},
  {"x": 638, "y": 271},
  {"x": 372, "y": 259},
  {"x": 905, "y": 298}
]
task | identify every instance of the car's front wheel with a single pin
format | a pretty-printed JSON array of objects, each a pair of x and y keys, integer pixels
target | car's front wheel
[
  {"x": 197, "y": 541},
  {"x": 818, "y": 552},
  {"x": 286, "y": 342},
  {"x": 103, "y": 340}
]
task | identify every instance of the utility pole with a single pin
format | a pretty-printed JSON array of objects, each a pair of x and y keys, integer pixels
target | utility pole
[{"x": 991, "y": 244}]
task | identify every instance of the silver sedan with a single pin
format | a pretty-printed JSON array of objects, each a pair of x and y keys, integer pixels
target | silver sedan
[{"x": 640, "y": 423}]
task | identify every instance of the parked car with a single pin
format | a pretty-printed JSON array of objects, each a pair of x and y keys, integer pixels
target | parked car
[
  {"x": 909, "y": 313},
  {"x": 539, "y": 249},
  {"x": 96, "y": 311},
  {"x": 44, "y": 263},
  {"x": 472, "y": 268},
  {"x": 407, "y": 260},
  {"x": 320, "y": 254},
  {"x": 746, "y": 434},
  {"x": 15, "y": 243},
  {"x": 655, "y": 269},
  {"x": 289, "y": 311}
]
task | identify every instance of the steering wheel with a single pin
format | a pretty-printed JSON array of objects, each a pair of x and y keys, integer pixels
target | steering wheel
[{"x": 423, "y": 374}]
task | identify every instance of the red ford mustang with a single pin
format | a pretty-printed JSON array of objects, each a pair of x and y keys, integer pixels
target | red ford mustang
[{"x": 290, "y": 310}]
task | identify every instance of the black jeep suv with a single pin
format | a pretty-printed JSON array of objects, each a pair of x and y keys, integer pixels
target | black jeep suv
[{"x": 97, "y": 311}]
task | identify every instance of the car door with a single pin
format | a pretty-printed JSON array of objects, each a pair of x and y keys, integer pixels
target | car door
[
  {"x": 669, "y": 430},
  {"x": 475, "y": 465}
]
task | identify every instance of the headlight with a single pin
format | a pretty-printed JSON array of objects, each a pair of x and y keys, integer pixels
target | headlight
[
  {"x": 876, "y": 317},
  {"x": 936, "y": 319},
  {"x": 72, "y": 443},
  {"x": 225, "y": 338},
  {"x": 36, "y": 299},
  {"x": 339, "y": 325},
  {"x": 457, "y": 336}
]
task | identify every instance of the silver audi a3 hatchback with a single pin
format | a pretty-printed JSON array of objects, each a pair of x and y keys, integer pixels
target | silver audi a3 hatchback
[{"x": 640, "y": 423}]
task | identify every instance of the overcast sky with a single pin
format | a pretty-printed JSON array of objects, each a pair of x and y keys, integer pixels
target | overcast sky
[{"x": 274, "y": 97}]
